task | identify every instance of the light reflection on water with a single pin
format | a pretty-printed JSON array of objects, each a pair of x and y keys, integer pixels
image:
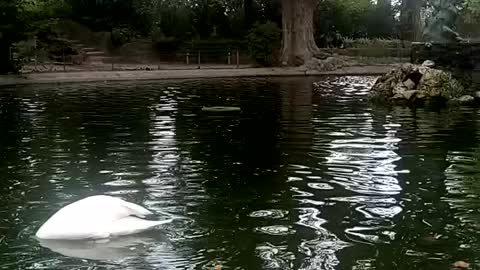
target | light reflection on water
[{"x": 295, "y": 180}]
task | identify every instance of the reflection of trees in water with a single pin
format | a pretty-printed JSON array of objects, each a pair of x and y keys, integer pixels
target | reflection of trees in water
[
  {"x": 14, "y": 135},
  {"x": 353, "y": 182},
  {"x": 310, "y": 244},
  {"x": 427, "y": 138},
  {"x": 246, "y": 159},
  {"x": 463, "y": 184},
  {"x": 239, "y": 162},
  {"x": 287, "y": 230},
  {"x": 88, "y": 135},
  {"x": 64, "y": 144},
  {"x": 463, "y": 189}
]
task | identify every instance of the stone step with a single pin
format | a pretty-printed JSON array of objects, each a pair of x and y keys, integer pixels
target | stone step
[
  {"x": 98, "y": 59},
  {"x": 62, "y": 39},
  {"x": 89, "y": 49},
  {"x": 92, "y": 55},
  {"x": 75, "y": 42},
  {"x": 95, "y": 53}
]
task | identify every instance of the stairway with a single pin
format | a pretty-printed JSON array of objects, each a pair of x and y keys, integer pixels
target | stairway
[{"x": 90, "y": 55}]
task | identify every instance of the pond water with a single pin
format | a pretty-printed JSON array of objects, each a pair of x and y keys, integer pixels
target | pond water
[{"x": 294, "y": 180}]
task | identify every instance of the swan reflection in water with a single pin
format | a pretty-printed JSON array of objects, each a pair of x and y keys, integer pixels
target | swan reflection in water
[
  {"x": 151, "y": 250},
  {"x": 103, "y": 250}
]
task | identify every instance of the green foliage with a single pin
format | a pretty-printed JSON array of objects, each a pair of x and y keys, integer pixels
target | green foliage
[
  {"x": 263, "y": 42},
  {"x": 41, "y": 16},
  {"x": 157, "y": 34},
  {"x": 12, "y": 28},
  {"x": 353, "y": 18},
  {"x": 381, "y": 20},
  {"x": 202, "y": 19},
  {"x": 44, "y": 9},
  {"x": 180, "y": 20},
  {"x": 103, "y": 15},
  {"x": 121, "y": 35},
  {"x": 471, "y": 11},
  {"x": 349, "y": 17}
]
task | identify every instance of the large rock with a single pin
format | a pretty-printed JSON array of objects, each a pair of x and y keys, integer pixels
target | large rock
[{"x": 415, "y": 84}]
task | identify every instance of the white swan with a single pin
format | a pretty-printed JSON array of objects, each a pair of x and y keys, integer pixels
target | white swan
[{"x": 97, "y": 217}]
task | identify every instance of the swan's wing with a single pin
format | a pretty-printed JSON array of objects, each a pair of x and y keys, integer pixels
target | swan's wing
[
  {"x": 131, "y": 225},
  {"x": 108, "y": 208},
  {"x": 89, "y": 218},
  {"x": 134, "y": 209}
]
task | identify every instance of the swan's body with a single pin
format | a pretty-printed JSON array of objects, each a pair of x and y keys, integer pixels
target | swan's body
[{"x": 97, "y": 217}]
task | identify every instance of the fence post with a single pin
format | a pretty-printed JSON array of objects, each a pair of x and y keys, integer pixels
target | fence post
[
  {"x": 35, "y": 62},
  {"x": 10, "y": 57},
  {"x": 63, "y": 57},
  {"x": 399, "y": 47},
  {"x": 229, "y": 57},
  {"x": 238, "y": 59},
  {"x": 188, "y": 58},
  {"x": 113, "y": 61},
  {"x": 199, "y": 60}
]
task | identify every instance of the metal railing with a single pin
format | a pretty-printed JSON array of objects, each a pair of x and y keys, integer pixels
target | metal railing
[{"x": 39, "y": 61}]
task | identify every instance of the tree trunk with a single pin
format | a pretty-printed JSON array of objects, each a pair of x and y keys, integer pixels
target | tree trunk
[
  {"x": 7, "y": 65},
  {"x": 298, "y": 44},
  {"x": 410, "y": 19}
]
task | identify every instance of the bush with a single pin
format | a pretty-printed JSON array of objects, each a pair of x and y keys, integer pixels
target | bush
[
  {"x": 264, "y": 43},
  {"x": 121, "y": 35},
  {"x": 157, "y": 34}
]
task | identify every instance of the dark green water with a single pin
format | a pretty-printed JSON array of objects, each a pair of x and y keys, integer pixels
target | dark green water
[{"x": 293, "y": 181}]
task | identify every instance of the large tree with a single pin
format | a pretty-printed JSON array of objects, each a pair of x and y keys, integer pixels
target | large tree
[{"x": 298, "y": 43}]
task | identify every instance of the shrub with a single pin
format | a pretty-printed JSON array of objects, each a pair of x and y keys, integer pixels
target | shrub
[
  {"x": 375, "y": 43},
  {"x": 264, "y": 43},
  {"x": 121, "y": 35}
]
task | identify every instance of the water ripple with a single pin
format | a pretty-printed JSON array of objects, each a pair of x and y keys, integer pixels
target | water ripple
[
  {"x": 272, "y": 213},
  {"x": 300, "y": 179},
  {"x": 276, "y": 230}
]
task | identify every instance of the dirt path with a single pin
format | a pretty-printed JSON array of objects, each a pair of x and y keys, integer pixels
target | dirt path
[{"x": 103, "y": 76}]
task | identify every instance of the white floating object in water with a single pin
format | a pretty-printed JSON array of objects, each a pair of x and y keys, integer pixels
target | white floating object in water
[
  {"x": 221, "y": 109},
  {"x": 97, "y": 217}
]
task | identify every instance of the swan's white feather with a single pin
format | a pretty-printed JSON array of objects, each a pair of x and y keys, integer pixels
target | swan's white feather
[{"x": 97, "y": 217}]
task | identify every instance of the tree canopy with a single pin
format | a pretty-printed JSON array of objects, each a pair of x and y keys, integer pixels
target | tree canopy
[{"x": 207, "y": 18}]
